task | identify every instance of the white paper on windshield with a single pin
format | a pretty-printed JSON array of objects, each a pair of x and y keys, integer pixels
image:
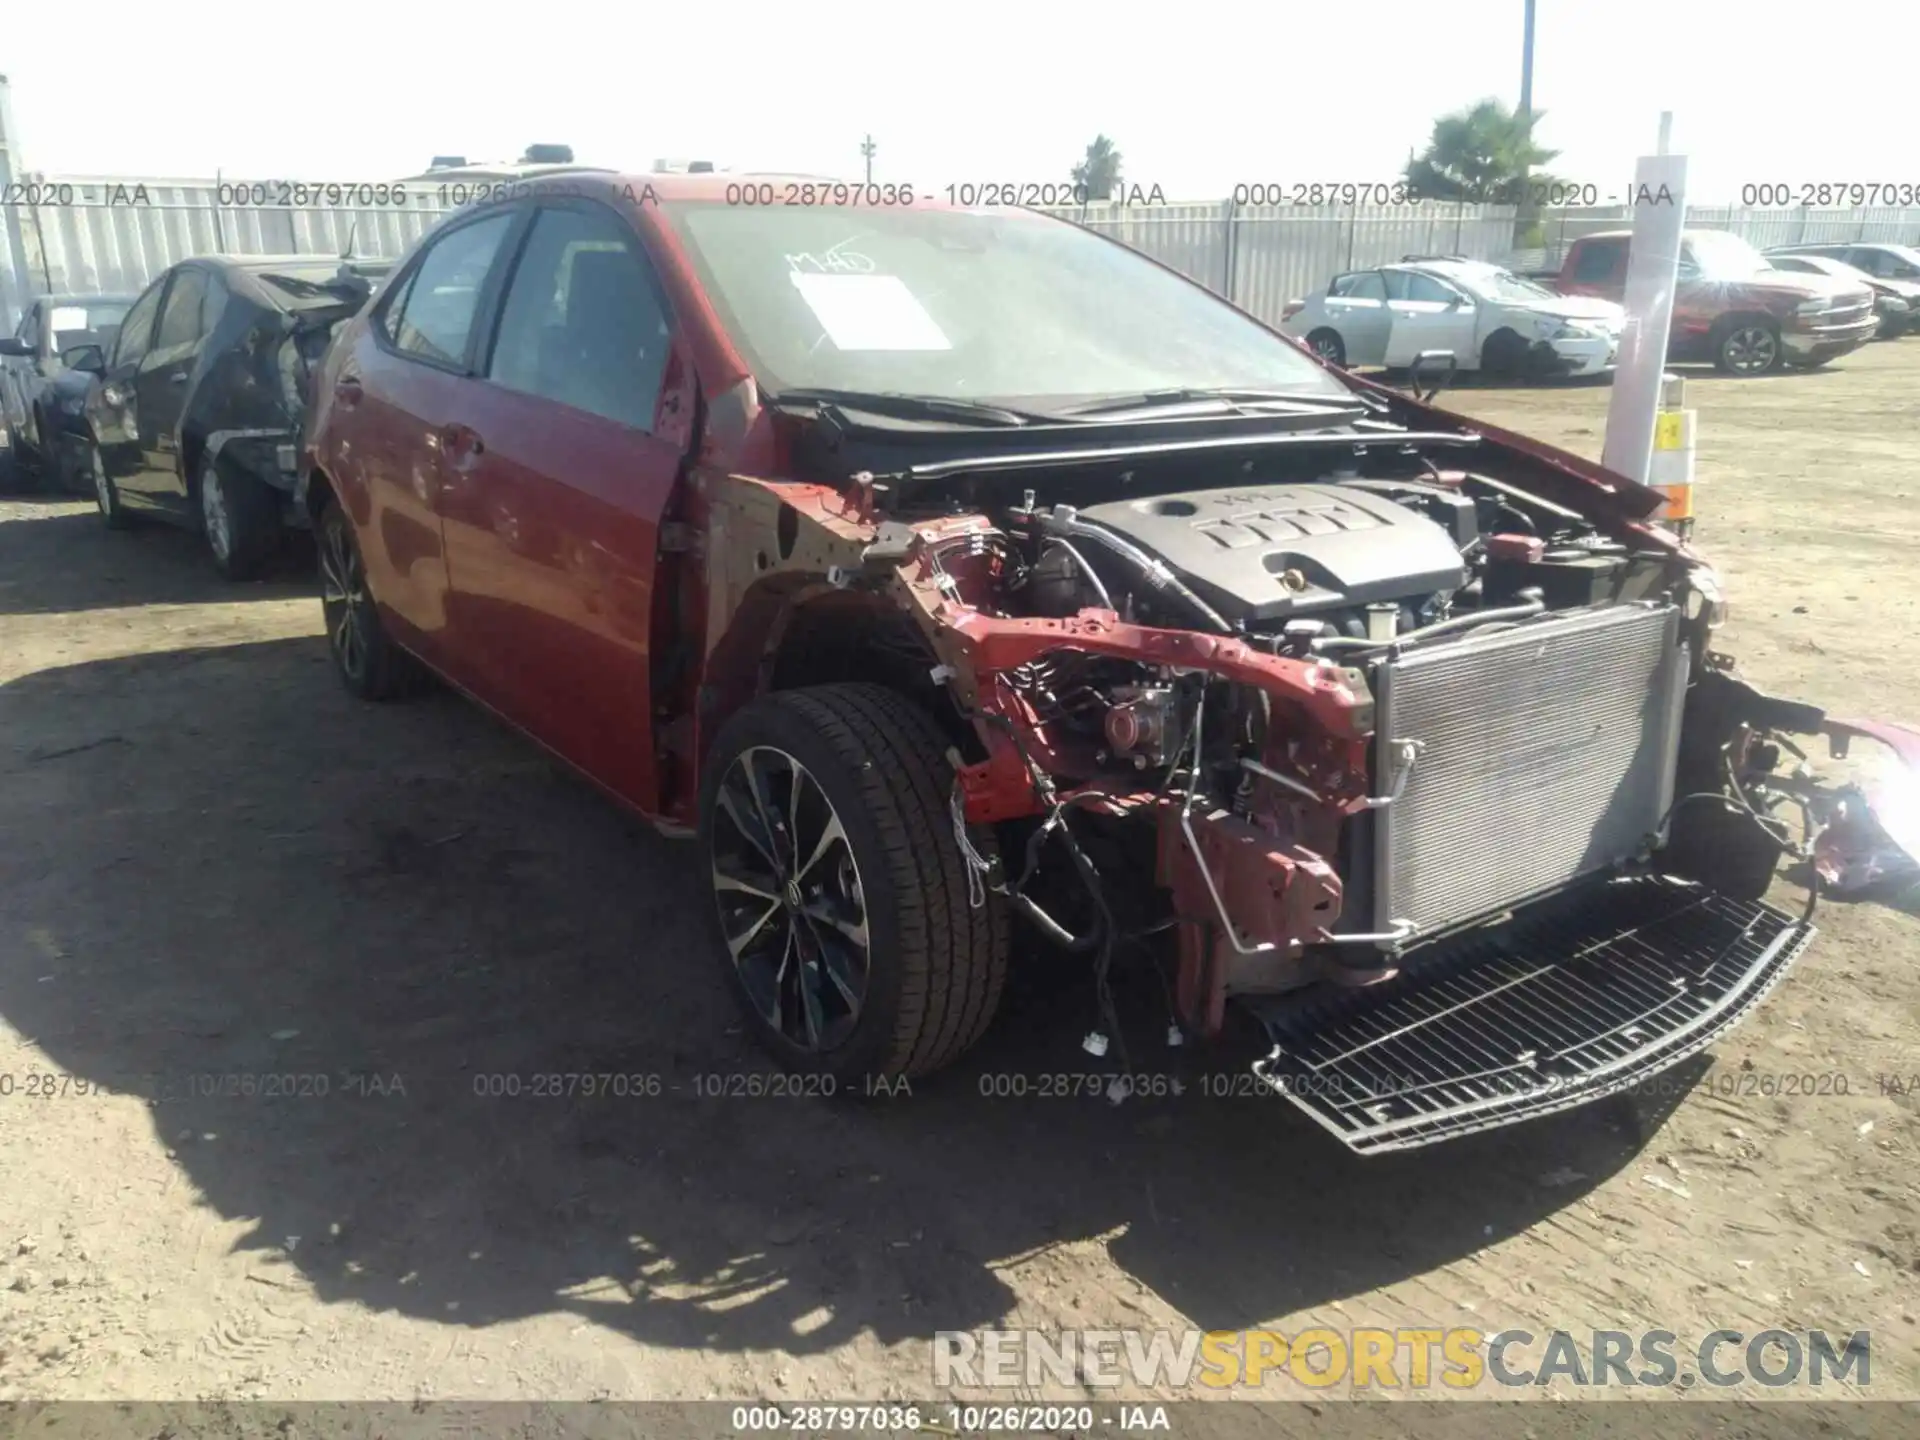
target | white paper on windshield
[
  {"x": 869, "y": 312},
  {"x": 69, "y": 317}
]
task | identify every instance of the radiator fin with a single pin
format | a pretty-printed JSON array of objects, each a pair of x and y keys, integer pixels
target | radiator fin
[{"x": 1546, "y": 753}]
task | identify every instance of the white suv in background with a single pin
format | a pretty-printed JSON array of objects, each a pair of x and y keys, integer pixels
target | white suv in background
[{"x": 1490, "y": 319}]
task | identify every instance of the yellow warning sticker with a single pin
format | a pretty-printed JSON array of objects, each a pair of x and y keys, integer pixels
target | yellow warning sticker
[{"x": 1669, "y": 430}]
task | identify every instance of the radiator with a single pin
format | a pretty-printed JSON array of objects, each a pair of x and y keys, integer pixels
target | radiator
[{"x": 1540, "y": 754}]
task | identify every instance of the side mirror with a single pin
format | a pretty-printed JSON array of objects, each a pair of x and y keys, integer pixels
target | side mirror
[
  {"x": 1431, "y": 363},
  {"x": 90, "y": 358},
  {"x": 20, "y": 348},
  {"x": 1459, "y": 302}
]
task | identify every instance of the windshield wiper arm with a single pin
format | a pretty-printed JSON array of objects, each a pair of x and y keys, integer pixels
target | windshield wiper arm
[
  {"x": 903, "y": 406},
  {"x": 1226, "y": 395}
]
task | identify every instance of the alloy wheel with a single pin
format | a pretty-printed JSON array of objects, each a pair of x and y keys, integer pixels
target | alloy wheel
[
  {"x": 1326, "y": 347},
  {"x": 343, "y": 600},
  {"x": 213, "y": 511},
  {"x": 792, "y": 907},
  {"x": 1752, "y": 349}
]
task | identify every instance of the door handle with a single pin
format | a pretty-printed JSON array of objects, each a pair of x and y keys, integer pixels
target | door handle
[
  {"x": 461, "y": 444},
  {"x": 177, "y": 378},
  {"x": 347, "y": 390}
]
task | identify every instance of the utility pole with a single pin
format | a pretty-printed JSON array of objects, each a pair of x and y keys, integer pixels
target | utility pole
[
  {"x": 867, "y": 147},
  {"x": 1523, "y": 223},
  {"x": 1526, "y": 67}
]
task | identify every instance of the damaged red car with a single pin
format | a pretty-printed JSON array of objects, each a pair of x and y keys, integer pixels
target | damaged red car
[{"x": 971, "y": 586}]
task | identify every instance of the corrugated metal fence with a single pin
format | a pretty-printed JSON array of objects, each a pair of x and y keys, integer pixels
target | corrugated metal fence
[
  {"x": 93, "y": 237},
  {"x": 97, "y": 239},
  {"x": 1260, "y": 257}
]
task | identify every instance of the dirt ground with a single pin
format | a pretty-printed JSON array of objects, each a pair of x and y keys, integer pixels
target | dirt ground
[{"x": 214, "y": 864}]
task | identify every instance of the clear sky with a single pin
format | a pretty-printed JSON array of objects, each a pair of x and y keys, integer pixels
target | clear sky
[{"x": 1198, "y": 96}]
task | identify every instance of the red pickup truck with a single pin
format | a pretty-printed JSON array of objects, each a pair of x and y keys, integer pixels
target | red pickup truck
[{"x": 1731, "y": 306}]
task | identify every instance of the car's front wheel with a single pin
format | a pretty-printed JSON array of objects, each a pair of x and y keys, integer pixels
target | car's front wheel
[
  {"x": 1746, "y": 346},
  {"x": 846, "y": 930}
]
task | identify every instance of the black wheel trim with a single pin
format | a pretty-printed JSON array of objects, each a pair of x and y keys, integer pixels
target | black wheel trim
[
  {"x": 1751, "y": 349},
  {"x": 792, "y": 909},
  {"x": 343, "y": 600}
]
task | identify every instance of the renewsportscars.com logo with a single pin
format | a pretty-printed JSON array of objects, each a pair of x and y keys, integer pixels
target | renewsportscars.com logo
[{"x": 1413, "y": 1358}]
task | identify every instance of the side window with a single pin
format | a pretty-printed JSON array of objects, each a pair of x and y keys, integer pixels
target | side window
[
  {"x": 437, "y": 316},
  {"x": 137, "y": 329},
  {"x": 1360, "y": 285},
  {"x": 389, "y": 317},
  {"x": 1595, "y": 262},
  {"x": 1425, "y": 287},
  {"x": 582, "y": 323},
  {"x": 212, "y": 304},
  {"x": 180, "y": 319}
]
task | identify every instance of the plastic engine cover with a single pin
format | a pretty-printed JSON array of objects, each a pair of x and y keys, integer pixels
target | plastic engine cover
[{"x": 1236, "y": 545}]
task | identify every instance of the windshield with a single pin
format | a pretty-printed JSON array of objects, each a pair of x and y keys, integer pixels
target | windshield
[
  {"x": 89, "y": 322},
  {"x": 963, "y": 304},
  {"x": 1505, "y": 285},
  {"x": 1721, "y": 256}
]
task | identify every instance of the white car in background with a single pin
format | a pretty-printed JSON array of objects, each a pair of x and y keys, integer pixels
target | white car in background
[{"x": 1490, "y": 319}]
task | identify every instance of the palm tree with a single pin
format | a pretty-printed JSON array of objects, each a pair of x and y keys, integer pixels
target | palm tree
[
  {"x": 1480, "y": 154},
  {"x": 1100, "y": 171}
]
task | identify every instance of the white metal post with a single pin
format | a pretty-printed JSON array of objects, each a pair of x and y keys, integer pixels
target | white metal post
[{"x": 1653, "y": 258}]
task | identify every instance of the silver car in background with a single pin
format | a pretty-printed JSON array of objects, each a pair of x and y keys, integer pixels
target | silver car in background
[{"x": 1489, "y": 318}]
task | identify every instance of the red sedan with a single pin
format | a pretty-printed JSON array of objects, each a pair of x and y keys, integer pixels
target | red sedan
[{"x": 960, "y": 575}]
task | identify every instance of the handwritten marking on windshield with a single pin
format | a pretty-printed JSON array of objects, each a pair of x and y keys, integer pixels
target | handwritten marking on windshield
[{"x": 835, "y": 261}]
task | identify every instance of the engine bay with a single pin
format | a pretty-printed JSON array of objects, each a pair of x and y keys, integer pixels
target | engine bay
[{"x": 1277, "y": 847}]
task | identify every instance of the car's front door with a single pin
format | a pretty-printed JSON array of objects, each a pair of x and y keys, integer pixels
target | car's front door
[
  {"x": 557, "y": 481},
  {"x": 1429, "y": 315},
  {"x": 113, "y": 413},
  {"x": 160, "y": 388},
  {"x": 394, "y": 394},
  {"x": 1356, "y": 307},
  {"x": 19, "y": 377}
]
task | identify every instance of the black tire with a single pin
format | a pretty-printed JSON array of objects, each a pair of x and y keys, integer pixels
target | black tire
[
  {"x": 1745, "y": 345},
  {"x": 366, "y": 659},
  {"x": 1328, "y": 345},
  {"x": 1504, "y": 356},
  {"x": 106, "y": 494},
  {"x": 935, "y": 965},
  {"x": 240, "y": 519},
  {"x": 67, "y": 475}
]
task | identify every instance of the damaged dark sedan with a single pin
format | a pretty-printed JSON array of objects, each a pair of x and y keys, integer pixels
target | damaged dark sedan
[
  {"x": 981, "y": 593},
  {"x": 195, "y": 411}
]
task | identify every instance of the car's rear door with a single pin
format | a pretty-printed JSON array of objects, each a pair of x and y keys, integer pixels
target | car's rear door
[
  {"x": 1429, "y": 314},
  {"x": 556, "y": 485},
  {"x": 392, "y": 396},
  {"x": 1356, "y": 306}
]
